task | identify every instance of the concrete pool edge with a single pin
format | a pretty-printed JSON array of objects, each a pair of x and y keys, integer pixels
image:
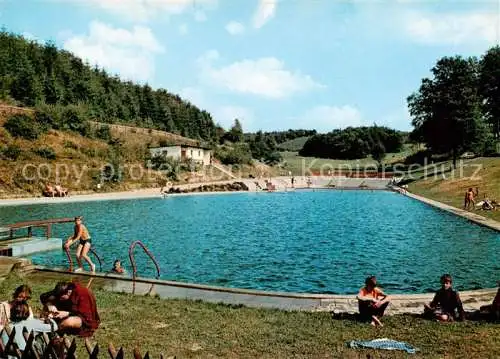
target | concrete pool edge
[
  {"x": 472, "y": 217},
  {"x": 337, "y": 303}
]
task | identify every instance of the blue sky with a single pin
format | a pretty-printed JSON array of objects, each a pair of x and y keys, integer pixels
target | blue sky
[{"x": 274, "y": 64}]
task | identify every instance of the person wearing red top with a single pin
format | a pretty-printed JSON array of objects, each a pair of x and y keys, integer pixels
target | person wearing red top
[
  {"x": 372, "y": 302},
  {"x": 74, "y": 307}
]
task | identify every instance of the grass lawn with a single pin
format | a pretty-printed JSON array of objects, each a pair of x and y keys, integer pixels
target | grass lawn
[
  {"x": 193, "y": 329},
  {"x": 296, "y": 163},
  {"x": 450, "y": 187}
]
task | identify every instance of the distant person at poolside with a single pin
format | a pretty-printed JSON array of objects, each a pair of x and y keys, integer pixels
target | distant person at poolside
[
  {"x": 293, "y": 181},
  {"x": 117, "y": 267},
  {"x": 372, "y": 302},
  {"x": 61, "y": 192},
  {"x": 492, "y": 311},
  {"x": 446, "y": 305},
  {"x": 81, "y": 234},
  {"x": 74, "y": 307},
  {"x": 469, "y": 198},
  {"x": 49, "y": 190}
]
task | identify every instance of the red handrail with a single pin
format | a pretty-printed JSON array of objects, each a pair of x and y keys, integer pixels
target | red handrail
[
  {"x": 70, "y": 259},
  {"x": 134, "y": 267}
]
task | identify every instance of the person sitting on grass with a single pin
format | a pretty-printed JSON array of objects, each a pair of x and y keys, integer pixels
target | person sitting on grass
[
  {"x": 446, "y": 305},
  {"x": 492, "y": 311},
  {"x": 49, "y": 191},
  {"x": 22, "y": 317},
  {"x": 21, "y": 294},
  {"x": 61, "y": 192},
  {"x": 372, "y": 302},
  {"x": 74, "y": 307}
]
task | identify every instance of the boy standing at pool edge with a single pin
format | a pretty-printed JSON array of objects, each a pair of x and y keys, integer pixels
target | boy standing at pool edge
[{"x": 82, "y": 235}]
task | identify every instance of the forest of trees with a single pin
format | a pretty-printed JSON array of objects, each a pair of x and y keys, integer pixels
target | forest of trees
[
  {"x": 455, "y": 111},
  {"x": 281, "y": 136},
  {"x": 353, "y": 143},
  {"x": 458, "y": 109},
  {"x": 44, "y": 77}
]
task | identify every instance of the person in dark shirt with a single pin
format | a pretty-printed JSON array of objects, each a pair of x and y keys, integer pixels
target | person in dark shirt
[
  {"x": 492, "y": 310},
  {"x": 446, "y": 305},
  {"x": 73, "y": 307}
]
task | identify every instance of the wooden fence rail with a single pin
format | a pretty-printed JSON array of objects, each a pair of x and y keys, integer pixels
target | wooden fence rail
[{"x": 53, "y": 346}]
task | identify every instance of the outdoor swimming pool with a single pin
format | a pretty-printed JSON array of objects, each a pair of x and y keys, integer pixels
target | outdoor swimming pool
[{"x": 323, "y": 241}]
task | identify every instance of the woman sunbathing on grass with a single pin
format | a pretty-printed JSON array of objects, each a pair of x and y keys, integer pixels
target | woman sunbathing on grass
[{"x": 372, "y": 302}]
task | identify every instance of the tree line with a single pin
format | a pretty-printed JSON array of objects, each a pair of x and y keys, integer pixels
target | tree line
[
  {"x": 50, "y": 79},
  {"x": 458, "y": 109},
  {"x": 353, "y": 142}
]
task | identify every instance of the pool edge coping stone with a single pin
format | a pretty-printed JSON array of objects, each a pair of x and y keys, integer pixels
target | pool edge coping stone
[
  {"x": 472, "y": 217},
  {"x": 338, "y": 303}
]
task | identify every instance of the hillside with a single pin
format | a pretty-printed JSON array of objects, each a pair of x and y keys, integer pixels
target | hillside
[
  {"x": 294, "y": 145},
  {"x": 77, "y": 161},
  {"x": 483, "y": 173},
  {"x": 32, "y": 74}
]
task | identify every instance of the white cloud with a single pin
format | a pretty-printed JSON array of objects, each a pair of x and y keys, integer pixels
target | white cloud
[
  {"x": 453, "y": 28},
  {"x": 328, "y": 118},
  {"x": 29, "y": 36},
  {"x": 183, "y": 29},
  {"x": 128, "y": 52},
  {"x": 265, "y": 77},
  {"x": 265, "y": 11},
  {"x": 143, "y": 10},
  {"x": 225, "y": 116},
  {"x": 235, "y": 28}
]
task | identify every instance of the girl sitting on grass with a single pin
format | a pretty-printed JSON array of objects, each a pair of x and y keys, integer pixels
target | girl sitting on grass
[{"x": 372, "y": 302}]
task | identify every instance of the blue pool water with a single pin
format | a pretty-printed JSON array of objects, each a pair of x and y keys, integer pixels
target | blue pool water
[{"x": 324, "y": 241}]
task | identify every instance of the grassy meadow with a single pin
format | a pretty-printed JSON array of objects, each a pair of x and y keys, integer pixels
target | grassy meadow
[
  {"x": 450, "y": 186},
  {"x": 194, "y": 329},
  {"x": 298, "y": 164}
]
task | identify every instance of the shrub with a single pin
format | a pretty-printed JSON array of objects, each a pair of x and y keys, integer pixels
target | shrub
[
  {"x": 163, "y": 143},
  {"x": 419, "y": 157},
  {"x": 23, "y": 126},
  {"x": 70, "y": 144},
  {"x": 12, "y": 152},
  {"x": 103, "y": 133},
  {"x": 5, "y": 136},
  {"x": 49, "y": 116},
  {"x": 168, "y": 165},
  {"x": 235, "y": 154},
  {"x": 46, "y": 152},
  {"x": 74, "y": 118}
]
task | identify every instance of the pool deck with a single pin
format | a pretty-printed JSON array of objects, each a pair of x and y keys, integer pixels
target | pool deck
[
  {"x": 471, "y": 216},
  {"x": 400, "y": 303}
]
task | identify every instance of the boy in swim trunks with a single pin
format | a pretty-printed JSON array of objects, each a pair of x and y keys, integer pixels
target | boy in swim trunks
[{"x": 81, "y": 234}]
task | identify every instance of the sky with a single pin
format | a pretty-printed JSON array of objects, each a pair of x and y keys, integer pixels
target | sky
[{"x": 273, "y": 64}]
